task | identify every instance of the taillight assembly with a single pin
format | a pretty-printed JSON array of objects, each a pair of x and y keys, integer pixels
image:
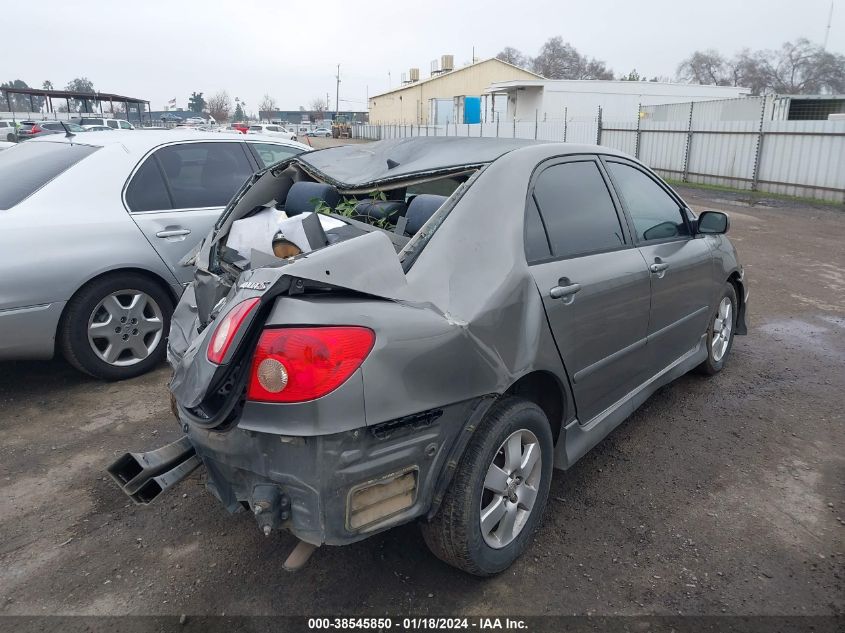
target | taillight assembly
[
  {"x": 295, "y": 364},
  {"x": 226, "y": 330},
  {"x": 35, "y": 129}
]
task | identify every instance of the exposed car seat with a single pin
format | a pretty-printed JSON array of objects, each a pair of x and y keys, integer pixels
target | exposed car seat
[
  {"x": 301, "y": 194},
  {"x": 422, "y": 207},
  {"x": 375, "y": 210}
]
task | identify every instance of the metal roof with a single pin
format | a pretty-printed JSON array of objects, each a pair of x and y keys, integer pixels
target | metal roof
[{"x": 71, "y": 94}]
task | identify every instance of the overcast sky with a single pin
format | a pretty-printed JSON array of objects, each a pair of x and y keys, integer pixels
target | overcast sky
[{"x": 161, "y": 49}]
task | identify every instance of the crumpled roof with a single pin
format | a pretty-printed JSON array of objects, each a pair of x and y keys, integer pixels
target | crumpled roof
[{"x": 363, "y": 164}]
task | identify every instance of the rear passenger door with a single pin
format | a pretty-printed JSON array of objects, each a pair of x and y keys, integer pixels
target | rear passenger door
[
  {"x": 179, "y": 191},
  {"x": 680, "y": 264},
  {"x": 594, "y": 282}
]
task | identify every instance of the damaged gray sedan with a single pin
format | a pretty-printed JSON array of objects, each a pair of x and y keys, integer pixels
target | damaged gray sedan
[{"x": 421, "y": 329}]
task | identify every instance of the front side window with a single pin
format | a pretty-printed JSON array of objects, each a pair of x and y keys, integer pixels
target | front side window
[
  {"x": 656, "y": 215},
  {"x": 124, "y": 125},
  {"x": 269, "y": 153},
  {"x": 27, "y": 167},
  {"x": 203, "y": 174},
  {"x": 577, "y": 209}
]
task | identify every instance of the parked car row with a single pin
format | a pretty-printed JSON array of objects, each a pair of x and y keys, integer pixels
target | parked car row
[{"x": 13, "y": 131}]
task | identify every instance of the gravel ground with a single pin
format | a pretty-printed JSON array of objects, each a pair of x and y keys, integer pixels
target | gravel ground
[{"x": 719, "y": 496}]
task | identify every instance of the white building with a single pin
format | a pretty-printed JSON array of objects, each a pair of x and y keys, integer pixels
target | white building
[{"x": 549, "y": 99}]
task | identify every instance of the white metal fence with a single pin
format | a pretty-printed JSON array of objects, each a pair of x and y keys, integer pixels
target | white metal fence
[{"x": 730, "y": 143}]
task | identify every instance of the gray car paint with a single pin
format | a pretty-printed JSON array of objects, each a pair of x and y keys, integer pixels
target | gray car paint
[{"x": 459, "y": 327}]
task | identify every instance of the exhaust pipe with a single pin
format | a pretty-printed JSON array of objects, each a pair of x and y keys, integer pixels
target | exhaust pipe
[{"x": 144, "y": 476}]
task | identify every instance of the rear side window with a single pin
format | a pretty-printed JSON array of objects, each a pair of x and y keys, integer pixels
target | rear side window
[
  {"x": 656, "y": 215},
  {"x": 112, "y": 124},
  {"x": 25, "y": 168},
  {"x": 147, "y": 191},
  {"x": 536, "y": 242},
  {"x": 204, "y": 174},
  {"x": 577, "y": 209}
]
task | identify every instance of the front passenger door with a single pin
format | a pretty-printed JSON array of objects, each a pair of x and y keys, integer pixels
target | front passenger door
[
  {"x": 680, "y": 264},
  {"x": 594, "y": 283}
]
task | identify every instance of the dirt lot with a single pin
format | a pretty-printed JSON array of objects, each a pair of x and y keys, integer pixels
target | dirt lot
[{"x": 722, "y": 495}]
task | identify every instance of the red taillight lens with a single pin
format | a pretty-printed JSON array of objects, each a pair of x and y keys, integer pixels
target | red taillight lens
[
  {"x": 35, "y": 129},
  {"x": 226, "y": 330},
  {"x": 299, "y": 364}
]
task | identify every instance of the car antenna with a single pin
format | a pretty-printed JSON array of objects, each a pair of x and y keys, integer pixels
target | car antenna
[
  {"x": 391, "y": 163},
  {"x": 68, "y": 133}
]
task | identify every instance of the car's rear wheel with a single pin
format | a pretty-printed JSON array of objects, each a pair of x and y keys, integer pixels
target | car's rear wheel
[
  {"x": 116, "y": 326},
  {"x": 720, "y": 333},
  {"x": 499, "y": 492},
  {"x": 10, "y": 138}
]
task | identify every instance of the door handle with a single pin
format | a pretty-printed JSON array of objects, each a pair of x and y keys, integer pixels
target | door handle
[
  {"x": 659, "y": 267},
  {"x": 561, "y": 292},
  {"x": 173, "y": 233}
]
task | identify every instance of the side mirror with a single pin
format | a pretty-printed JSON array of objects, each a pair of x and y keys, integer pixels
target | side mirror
[{"x": 713, "y": 222}]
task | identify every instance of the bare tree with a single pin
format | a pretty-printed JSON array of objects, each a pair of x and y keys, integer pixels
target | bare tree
[
  {"x": 799, "y": 67},
  {"x": 560, "y": 60},
  {"x": 219, "y": 106},
  {"x": 514, "y": 56},
  {"x": 802, "y": 67},
  {"x": 705, "y": 67},
  {"x": 268, "y": 104},
  {"x": 318, "y": 108}
]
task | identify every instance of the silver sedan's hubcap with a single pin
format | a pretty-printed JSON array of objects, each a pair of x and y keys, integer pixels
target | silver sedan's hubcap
[
  {"x": 722, "y": 327},
  {"x": 125, "y": 327},
  {"x": 510, "y": 488}
]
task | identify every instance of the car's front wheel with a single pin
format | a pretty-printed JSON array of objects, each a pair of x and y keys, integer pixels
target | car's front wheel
[
  {"x": 498, "y": 493},
  {"x": 116, "y": 326},
  {"x": 10, "y": 138},
  {"x": 720, "y": 333}
]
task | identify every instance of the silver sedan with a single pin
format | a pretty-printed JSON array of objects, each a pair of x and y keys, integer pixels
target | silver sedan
[{"x": 92, "y": 228}]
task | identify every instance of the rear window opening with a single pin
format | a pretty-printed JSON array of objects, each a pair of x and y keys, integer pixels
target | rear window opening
[
  {"x": 292, "y": 214},
  {"x": 26, "y": 168}
]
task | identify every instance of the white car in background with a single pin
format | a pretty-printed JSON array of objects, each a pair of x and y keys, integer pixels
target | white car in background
[
  {"x": 115, "y": 124},
  {"x": 8, "y": 131},
  {"x": 271, "y": 129}
]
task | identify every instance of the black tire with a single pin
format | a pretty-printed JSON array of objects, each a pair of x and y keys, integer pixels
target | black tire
[
  {"x": 328, "y": 135},
  {"x": 10, "y": 138},
  {"x": 73, "y": 328},
  {"x": 454, "y": 534},
  {"x": 711, "y": 366}
]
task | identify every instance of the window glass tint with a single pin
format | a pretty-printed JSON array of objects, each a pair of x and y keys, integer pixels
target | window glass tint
[
  {"x": 90, "y": 121},
  {"x": 27, "y": 167},
  {"x": 112, "y": 124},
  {"x": 204, "y": 174},
  {"x": 124, "y": 125},
  {"x": 147, "y": 191},
  {"x": 655, "y": 214},
  {"x": 268, "y": 153},
  {"x": 577, "y": 209},
  {"x": 536, "y": 242}
]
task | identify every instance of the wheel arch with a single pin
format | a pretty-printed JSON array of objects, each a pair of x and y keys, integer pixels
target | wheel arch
[
  {"x": 545, "y": 390},
  {"x": 737, "y": 281},
  {"x": 152, "y": 276}
]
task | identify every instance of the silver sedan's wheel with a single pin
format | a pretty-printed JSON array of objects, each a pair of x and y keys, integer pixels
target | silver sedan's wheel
[
  {"x": 125, "y": 328},
  {"x": 510, "y": 488},
  {"x": 722, "y": 329}
]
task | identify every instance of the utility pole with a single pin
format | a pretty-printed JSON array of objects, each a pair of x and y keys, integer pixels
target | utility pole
[
  {"x": 827, "y": 31},
  {"x": 337, "y": 96}
]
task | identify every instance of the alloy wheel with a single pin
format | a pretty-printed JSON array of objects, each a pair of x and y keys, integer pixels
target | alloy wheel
[
  {"x": 510, "y": 488},
  {"x": 722, "y": 328},
  {"x": 125, "y": 328}
]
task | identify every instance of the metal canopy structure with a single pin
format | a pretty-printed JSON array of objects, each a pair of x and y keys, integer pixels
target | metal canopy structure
[{"x": 141, "y": 105}]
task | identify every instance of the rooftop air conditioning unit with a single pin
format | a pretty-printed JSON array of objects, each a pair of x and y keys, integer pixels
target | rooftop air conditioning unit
[
  {"x": 447, "y": 63},
  {"x": 414, "y": 74}
]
